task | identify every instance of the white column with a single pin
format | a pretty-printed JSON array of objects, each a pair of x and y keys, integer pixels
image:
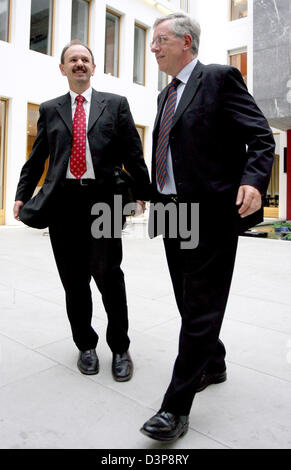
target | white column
[
  {"x": 97, "y": 37},
  {"x": 20, "y": 24},
  {"x": 16, "y": 146},
  {"x": 62, "y": 25}
]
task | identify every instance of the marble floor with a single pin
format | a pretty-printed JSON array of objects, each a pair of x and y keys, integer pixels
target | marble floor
[{"x": 47, "y": 404}]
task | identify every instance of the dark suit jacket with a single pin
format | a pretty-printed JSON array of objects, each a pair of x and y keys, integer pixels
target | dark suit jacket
[
  {"x": 219, "y": 140},
  {"x": 113, "y": 141}
]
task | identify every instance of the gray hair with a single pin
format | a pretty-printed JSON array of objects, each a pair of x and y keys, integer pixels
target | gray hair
[{"x": 181, "y": 25}]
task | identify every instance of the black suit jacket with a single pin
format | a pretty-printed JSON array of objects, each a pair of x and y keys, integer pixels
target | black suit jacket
[
  {"x": 219, "y": 140},
  {"x": 113, "y": 141}
]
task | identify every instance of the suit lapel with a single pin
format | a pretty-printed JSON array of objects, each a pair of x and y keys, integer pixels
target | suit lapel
[
  {"x": 64, "y": 108},
  {"x": 187, "y": 96},
  {"x": 190, "y": 91},
  {"x": 97, "y": 106}
]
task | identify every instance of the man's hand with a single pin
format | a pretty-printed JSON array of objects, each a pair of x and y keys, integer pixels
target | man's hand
[
  {"x": 249, "y": 199},
  {"x": 142, "y": 204},
  {"x": 16, "y": 209}
]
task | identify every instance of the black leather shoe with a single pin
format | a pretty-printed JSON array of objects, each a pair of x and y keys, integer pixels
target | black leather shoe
[
  {"x": 211, "y": 378},
  {"x": 122, "y": 367},
  {"x": 165, "y": 426},
  {"x": 88, "y": 362}
]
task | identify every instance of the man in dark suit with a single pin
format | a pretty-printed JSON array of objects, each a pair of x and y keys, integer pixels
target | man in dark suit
[
  {"x": 212, "y": 146},
  {"x": 86, "y": 134}
]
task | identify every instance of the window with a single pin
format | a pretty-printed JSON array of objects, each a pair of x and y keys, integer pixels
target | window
[
  {"x": 80, "y": 20},
  {"x": 163, "y": 80},
  {"x": 139, "y": 55},
  {"x": 111, "y": 65},
  {"x": 272, "y": 196},
  {"x": 240, "y": 61},
  {"x": 184, "y": 5},
  {"x": 41, "y": 24},
  {"x": 239, "y": 9},
  {"x": 32, "y": 118},
  {"x": 4, "y": 19},
  {"x": 271, "y": 202},
  {"x": 3, "y": 121}
]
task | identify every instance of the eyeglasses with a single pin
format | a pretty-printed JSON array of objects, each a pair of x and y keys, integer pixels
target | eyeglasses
[{"x": 159, "y": 41}]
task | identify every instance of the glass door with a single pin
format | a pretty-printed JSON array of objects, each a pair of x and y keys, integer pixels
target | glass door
[
  {"x": 271, "y": 207},
  {"x": 32, "y": 118}
]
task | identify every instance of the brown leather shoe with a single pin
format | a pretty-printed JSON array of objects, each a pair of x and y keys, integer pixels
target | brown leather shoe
[
  {"x": 88, "y": 362},
  {"x": 122, "y": 367},
  {"x": 165, "y": 426}
]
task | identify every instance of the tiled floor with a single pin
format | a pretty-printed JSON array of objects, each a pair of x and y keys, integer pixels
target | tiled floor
[{"x": 47, "y": 404}]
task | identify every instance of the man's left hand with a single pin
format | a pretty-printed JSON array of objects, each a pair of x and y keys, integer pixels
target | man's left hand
[
  {"x": 142, "y": 204},
  {"x": 249, "y": 199}
]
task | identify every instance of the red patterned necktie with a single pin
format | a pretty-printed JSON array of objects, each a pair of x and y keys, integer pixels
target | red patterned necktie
[
  {"x": 165, "y": 127},
  {"x": 78, "y": 156}
]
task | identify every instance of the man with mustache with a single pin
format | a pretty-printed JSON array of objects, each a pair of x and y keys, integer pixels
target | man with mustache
[
  {"x": 211, "y": 146},
  {"x": 86, "y": 134}
]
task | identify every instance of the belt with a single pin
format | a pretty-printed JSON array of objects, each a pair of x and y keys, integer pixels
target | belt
[{"x": 80, "y": 182}]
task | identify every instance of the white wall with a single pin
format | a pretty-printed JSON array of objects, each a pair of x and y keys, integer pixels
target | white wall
[
  {"x": 219, "y": 35},
  {"x": 31, "y": 77}
]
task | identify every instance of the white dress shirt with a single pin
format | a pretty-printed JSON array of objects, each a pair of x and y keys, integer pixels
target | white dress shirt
[
  {"x": 183, "y": 76},
  {"x": 87, "y": 103}
]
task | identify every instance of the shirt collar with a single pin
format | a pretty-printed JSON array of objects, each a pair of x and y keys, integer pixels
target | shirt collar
[
  {"x": 185, "y": 73},
  {"x": 87, "y": 95}
]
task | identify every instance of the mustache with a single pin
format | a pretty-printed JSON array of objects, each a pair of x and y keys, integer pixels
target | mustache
[{"x": 79, "y": 69}]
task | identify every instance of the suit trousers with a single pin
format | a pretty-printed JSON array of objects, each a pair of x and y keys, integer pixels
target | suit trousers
[
  {"x": 79, "y": 257},
  {"x": 201, "y": 279}
]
